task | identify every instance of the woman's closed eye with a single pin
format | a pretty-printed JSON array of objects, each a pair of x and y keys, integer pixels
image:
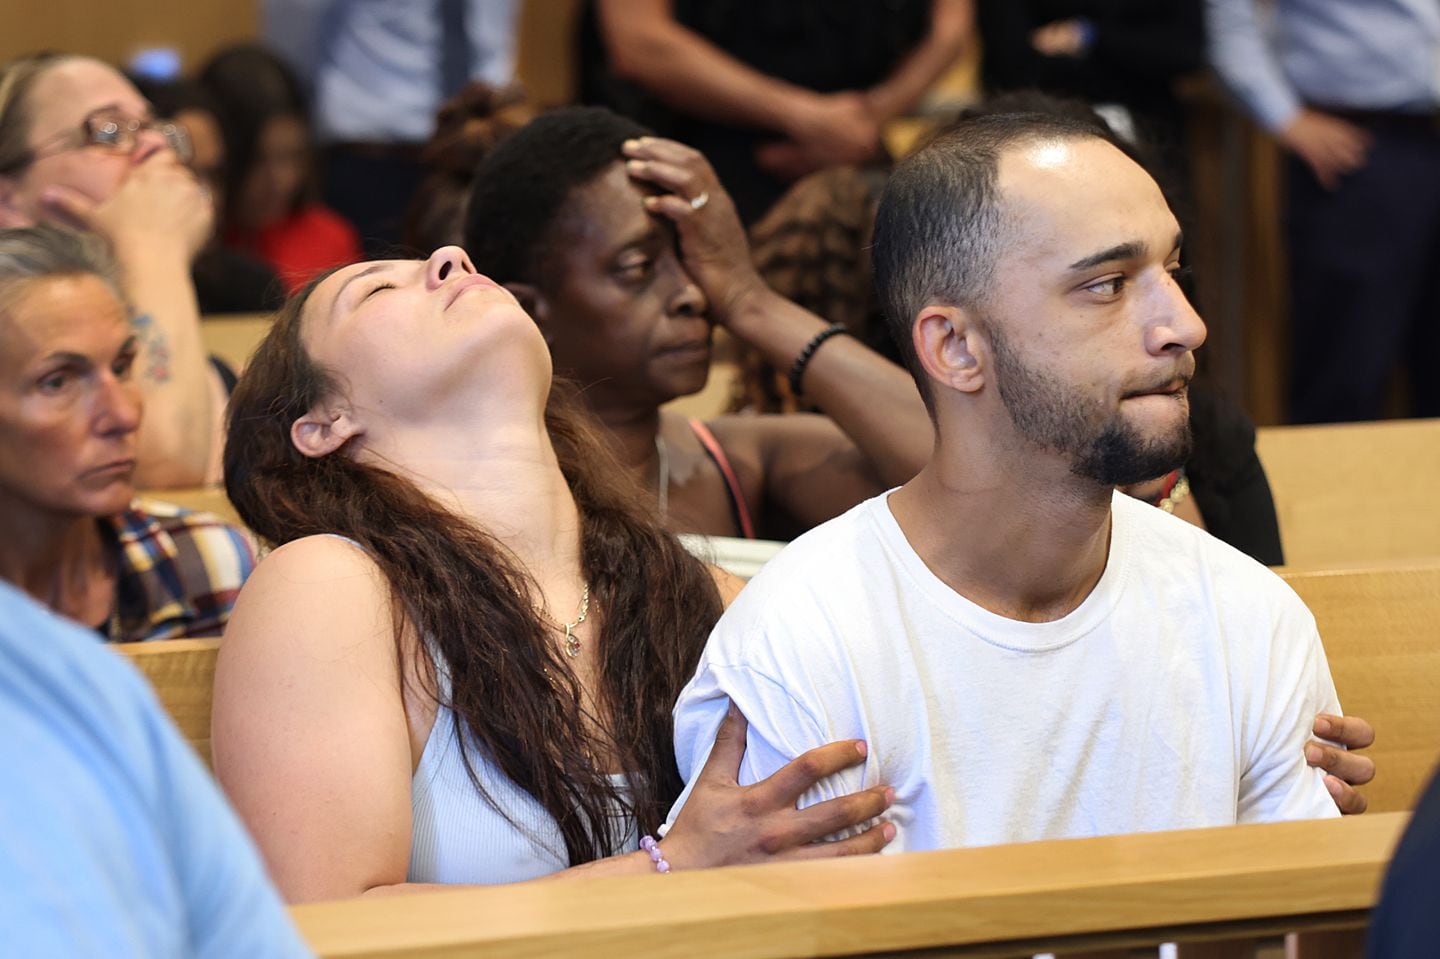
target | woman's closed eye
[{"x": 376, "y": 289}]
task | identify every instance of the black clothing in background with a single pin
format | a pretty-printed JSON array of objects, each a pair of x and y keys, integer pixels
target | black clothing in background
[
  {"x": 1406, "y": 922},
  {"x": 1227, "y": 480},
  {"x": 231, "y": 282},
  {"x": 1140, "y": 48},
  {"x": 827, "y": 46}
]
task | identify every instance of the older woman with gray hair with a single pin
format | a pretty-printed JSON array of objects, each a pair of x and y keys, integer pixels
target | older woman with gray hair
[{"x": 72, "y": 533}]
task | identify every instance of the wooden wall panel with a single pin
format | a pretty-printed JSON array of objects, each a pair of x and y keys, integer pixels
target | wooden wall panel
[{"x": 114, "y": 29}]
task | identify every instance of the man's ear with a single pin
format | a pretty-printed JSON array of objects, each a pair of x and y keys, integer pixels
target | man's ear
[
  {"x": 951, "y": 347},
  {"x": 323, "y": 430},
  {"x": 532, "y": 301}
]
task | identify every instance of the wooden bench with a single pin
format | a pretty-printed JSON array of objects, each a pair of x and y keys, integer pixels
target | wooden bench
[
  {"x": 234, "y": 336},
  {"x": 183, "y": 674},
  {"x": 1381, "y": 629},
  {"x": 1355, "y": 494},
  {"x": 1116, "y": 891}
]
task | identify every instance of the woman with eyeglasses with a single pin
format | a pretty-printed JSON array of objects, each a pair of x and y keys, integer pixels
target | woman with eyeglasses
[{"x": 79, "y": 147}]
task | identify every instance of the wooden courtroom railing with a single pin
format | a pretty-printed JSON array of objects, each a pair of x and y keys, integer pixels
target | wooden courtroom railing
[
  {"x": 1001, "y": 900},
  {"x": 1355, "y": 494}
]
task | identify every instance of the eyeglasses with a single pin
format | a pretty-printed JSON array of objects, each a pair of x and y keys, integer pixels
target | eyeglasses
[{"x": 109, "y": 130}]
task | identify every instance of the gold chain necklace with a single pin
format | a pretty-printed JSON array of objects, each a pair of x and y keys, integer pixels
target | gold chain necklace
[{"x": 572, "y": 642}]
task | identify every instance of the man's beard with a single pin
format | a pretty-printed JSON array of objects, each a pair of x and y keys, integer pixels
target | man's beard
[{"x": 1061, "y": 418}]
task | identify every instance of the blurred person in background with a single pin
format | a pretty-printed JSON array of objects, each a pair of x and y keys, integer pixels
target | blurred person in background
[
  {"x": 1124, "y": 55},
  {"x": 226, "y": 281},
  {"x": 377, "y": 72},
  {"x": 1352, "y": 91},
  {"x": 769, "y": 92},
  {"x": 271, "y": 209},
  {"x": 79, "y": 146}
]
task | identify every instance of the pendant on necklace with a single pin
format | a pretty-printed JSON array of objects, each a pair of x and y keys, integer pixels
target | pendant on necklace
[{"x": 572, "y": 643}]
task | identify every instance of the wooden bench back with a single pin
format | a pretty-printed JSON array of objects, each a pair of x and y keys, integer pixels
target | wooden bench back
[
  {"x": 234, "y": 336},
  {"x": 1081, "y": 894},
  {"x": 1381, "y": 629},
  {"x": 183, "y": 674},
  {"x": 1355, "y": 494}
]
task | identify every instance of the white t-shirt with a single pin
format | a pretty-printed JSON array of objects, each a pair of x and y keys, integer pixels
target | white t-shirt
[{"x": 1179, "y": 694}]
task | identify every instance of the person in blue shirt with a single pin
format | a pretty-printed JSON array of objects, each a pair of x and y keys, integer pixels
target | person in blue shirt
[
  {"x": 114, "y": 840},
  {"x": 1351, "y": 90}
]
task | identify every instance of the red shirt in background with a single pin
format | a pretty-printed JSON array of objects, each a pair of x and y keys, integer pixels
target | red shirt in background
[{"x": 313, "y": 239}]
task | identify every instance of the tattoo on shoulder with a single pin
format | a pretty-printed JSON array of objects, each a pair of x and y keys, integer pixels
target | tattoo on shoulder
[{"x": 155, "y": 348}]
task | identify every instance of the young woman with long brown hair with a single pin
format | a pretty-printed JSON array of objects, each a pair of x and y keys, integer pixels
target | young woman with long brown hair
[{"x": 460, "y": 663}]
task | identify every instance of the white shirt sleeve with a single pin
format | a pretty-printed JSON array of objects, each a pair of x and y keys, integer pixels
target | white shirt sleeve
[
  {"x": 781, "y": 726},
  {"x": 1289, "y": 689}
]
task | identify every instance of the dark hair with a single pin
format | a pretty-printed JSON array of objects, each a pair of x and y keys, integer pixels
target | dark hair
[
  {"x": 467, "y": 128},
  {"x": 251, "y": 87},
  {"x": 522, "y": 185},
  {"x": 511, "y": 692},
  {"x": 939, "y": 227}
]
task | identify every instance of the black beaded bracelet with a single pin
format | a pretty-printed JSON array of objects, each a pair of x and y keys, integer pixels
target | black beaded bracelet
[{"x": 797, "y": 369}]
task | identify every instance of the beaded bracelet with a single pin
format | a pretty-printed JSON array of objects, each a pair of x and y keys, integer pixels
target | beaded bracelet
[
  {"x": 652, "y": 848},
  {"x": 797, "y": 370}
]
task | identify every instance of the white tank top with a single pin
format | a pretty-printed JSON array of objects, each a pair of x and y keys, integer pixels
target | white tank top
[{"x": 456, "y": 836}]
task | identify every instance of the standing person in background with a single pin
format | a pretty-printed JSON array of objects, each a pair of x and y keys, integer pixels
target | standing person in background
[
  {"x": 1125, "y": 55},
  {"x": 768, "y": 92},
  {"x": 79, "y": 146},
  {"x": 377, "y": 72},
  {"x": 270, "y": 205},
  {"x": 1352, "y": 91}
]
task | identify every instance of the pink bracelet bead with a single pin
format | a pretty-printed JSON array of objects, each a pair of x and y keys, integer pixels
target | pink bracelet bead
[{"x": 652, "y": 849}]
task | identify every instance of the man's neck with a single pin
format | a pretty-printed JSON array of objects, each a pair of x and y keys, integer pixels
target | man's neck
[{"x": 1025, "y": 540}]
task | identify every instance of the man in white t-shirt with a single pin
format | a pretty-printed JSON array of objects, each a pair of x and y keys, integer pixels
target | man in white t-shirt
[{"x": 1027, "y": 653}]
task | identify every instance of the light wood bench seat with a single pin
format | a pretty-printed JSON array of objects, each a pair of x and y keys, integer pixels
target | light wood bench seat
[
  {"x": 1355, "y": 494},
  {"x": 997, "y": 901}
]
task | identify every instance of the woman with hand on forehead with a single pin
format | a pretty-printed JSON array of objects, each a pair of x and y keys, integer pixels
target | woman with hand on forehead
[
  {"x": 628, "y": 252},
  {"x": 79, "y": 147},
  {"x": 459, "y": 664}
]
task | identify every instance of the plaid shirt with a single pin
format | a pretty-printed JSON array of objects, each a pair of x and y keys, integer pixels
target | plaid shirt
[{"x": 179, "y": 571}]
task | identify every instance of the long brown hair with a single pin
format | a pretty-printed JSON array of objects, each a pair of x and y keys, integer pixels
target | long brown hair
[{"x": 511, "y": 693}]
